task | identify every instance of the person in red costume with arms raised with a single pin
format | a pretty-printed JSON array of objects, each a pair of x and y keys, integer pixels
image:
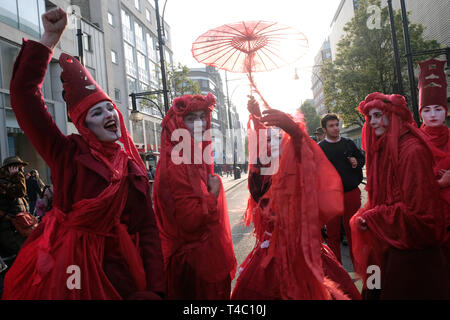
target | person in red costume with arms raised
[
  {"x": 290, "y": 201},
  {"x": 190, "y": 205},
  {"x": 102, "y": 226},
  {"x": 400, "y": 230},
  {"x": 433, "y": 108}
]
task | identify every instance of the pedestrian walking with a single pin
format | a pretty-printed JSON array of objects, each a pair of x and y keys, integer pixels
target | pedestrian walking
[
  {"x": 288, "y": 207},
  {"x": 190, "y": 206},
  {"x": 348, "y": 160},
  {"x": 101, "y": 229},
  {"x": 400, "y": 230}
]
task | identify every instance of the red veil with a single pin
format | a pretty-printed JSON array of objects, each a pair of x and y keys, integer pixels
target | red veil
[
  {"x": 191, "y": 220},
  {"x": 305, "y": 194}
]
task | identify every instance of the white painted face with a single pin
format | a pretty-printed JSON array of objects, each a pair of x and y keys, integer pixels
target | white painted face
[
  {"x": 433, "y": 116},
  {"x": 195, "y": 120},
  {"x": 103, "y": 120},
  {"x": 378, "y": 121}
]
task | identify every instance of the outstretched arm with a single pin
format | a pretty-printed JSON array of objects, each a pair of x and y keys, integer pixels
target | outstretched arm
[{"x": 26, "y": 96}]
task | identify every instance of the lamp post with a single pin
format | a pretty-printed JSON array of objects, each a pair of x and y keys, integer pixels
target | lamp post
[
  {"x": 231, "y": 126},
  {"x": 161, "y": 58},
  {"x": 135, "y": 114},
  {"x": 412, "y": 82},
  {"x": 398, "y": 69}
]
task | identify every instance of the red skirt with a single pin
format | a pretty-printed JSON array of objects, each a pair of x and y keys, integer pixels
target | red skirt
[{"x": 257, "y": 282}]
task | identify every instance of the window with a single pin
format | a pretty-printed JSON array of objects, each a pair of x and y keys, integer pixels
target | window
[
  {"x": 24, "y": 15},
  {"x": 110, "y": 18},
  {"x": 148, "y": 15},
  {"x": 137, "y": 4},
  {"x": 114, "y": 57},
  {"x": 87, "y": 42},
  {"x": 117, "y": 95},
  {"x": 8, "y": 13},
  {"x": 131, "y": 84},
  {"x": 126, "y": 21},
  {"x": 129, "y": 55}
]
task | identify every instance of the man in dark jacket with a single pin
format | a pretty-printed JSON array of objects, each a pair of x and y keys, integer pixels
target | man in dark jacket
[
  {"x": 12, "y": 201},
  {"x": 348, "y": 160}
]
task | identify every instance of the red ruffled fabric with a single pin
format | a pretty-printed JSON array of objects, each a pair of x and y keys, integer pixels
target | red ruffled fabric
[
  {"x": 194, "y": 225},
  {"x": 439, "y": 138}
]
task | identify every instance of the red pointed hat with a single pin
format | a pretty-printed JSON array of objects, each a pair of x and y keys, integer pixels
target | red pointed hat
[
  {"x": 81, "y": 92},
  {"x": 432, "y": 84}
]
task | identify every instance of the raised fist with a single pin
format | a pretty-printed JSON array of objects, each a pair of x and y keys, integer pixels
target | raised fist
[{"x": 54, "y": 22}]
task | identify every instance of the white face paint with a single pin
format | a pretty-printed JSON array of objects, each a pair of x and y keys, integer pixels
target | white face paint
[
  {"x": 433, "y": 116},
  {"x": 378, "y": 121},
  {"x": 195, "y": 121},
  {"x": 103, "y": 120}
]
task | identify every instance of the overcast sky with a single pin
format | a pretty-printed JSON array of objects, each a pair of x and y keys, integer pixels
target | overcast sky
[{"x": 189, "y": 19}]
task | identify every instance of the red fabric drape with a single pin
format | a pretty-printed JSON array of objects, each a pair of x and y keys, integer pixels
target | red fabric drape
[
  {"x": 194, "y": 225},
  {"x": 301, "y": 201},
  {"x": 403, "y": 210}
]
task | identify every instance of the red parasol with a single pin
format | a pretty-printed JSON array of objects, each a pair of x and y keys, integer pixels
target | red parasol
[{"x": 252, "y": 46}]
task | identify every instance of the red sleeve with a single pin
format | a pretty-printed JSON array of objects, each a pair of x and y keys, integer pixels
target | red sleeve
[
  {"x": 152, "y": 256},
  {"x": 195, "y": 206},
  {"x": 417, "y": 220},
  {"x": 28, "y": 103}
]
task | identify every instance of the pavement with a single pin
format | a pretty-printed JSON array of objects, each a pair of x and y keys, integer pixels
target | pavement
[{"x": 229, "y": 182}]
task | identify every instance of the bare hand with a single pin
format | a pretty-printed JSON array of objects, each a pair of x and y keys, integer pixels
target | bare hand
[
  {"x": 353, "y": 162},
  {"x": 54, "y": 22},
  {"x": 253, "y": 107},
  {"x": 361, "y": 223},
  {"x": 13, "y": 169},
  {"x": 214, "y": 185}
]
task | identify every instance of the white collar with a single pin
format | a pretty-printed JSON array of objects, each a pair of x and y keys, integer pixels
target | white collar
[{"x": 328, "y": 140}]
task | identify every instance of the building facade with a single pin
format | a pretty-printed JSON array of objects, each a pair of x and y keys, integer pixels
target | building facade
[
  {"x": 316, "y": 79},
  {"x": 120, "y": 50},
  {"x": 22, "y": 19}
]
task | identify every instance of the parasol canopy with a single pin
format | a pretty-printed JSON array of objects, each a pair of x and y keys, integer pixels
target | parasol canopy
[{"x": 251, "y": 46}]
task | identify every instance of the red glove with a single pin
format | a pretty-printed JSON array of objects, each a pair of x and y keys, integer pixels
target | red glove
[{"x": 277, "y": 118}]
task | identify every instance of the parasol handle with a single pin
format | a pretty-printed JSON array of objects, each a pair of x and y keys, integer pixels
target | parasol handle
[{"x": 254, "y": 87}]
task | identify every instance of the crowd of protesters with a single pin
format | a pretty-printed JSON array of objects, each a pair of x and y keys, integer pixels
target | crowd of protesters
[{"x": 164, "y": 233}]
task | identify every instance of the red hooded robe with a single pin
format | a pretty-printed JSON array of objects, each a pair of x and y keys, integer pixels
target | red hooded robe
[
  {"x": 404, "y": 213},
  {"x": 194, "y": 224}
]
